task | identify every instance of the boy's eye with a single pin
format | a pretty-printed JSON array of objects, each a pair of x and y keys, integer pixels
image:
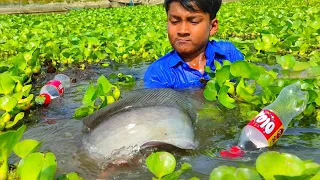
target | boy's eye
[
  {"x": 174, "y": 22},
  {"x": 195, "y": 22}
]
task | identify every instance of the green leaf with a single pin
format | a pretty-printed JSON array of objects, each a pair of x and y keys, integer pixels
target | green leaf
[
  {"x": 310, "y": 110},
  {"x": 246, "y": 174},
  {"x": 4, "y": 168},
  {"x": 16, "y": 119},
  {"x": 225, "y": 99},
  {"x": 287, "y": 62},
  {"x": 175, "y": 175},
  {"x": 315, "y": 24},
  {"x": 26, "y": 90},
  {"x": 240, "y": 69},
  {"x": 8, "y": 140},
  {"x": 259, "y": 45},
  {"x": 223, "y": 173},
  {"x": 87, "y": 97},
  {"x": 269, "y": 40},
  {"x": 217, "y": 64},
  {"x": 317, "y": 100},
  {"x": 19, "y": 62},
  {"x": 313, "y": 72},
  {"x": 210, "y": 92},
  {"x": 93, "y": 41},
  {"x": 226, "y": 62},
  {"x": 6, "y": 145},
  {"x": 31, "y": 166},
  {"x": 231, "y": 89},
  {"x": 49, "y": 167},
  {"x": 104, "y": 82},
  {"x": 300, "y": 66},
  {"x": 98, "y": 92},
  {"x": 7, "y": 83},
  {"x": 207, "y": 69},
  {"x": 245, "y": 92},
  {"x": 272, "y": 163},
  {"x": 302, "y": 177},
  {"x": 267, "y": 97},
  {"x": 244, "y": 95},
  {"x": 311, "y": 168},
  {"x": 25, "y": 147},
  {"x": 40, "y": 100},
  {"x": 83, "y": 112},
  {"x": 222, "y": 75},
  {"x": 316, "y": 177},
  {"x": 70, "y": 176},
  {"x": 161, "y": 163},
  {"x": 265, "y": 80},
  {"x": 7, "y": 103}
]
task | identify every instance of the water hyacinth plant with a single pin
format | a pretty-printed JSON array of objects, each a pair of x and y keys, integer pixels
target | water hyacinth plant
[
  {"x": 270, "y": 165},
  {"x": 33, "y": 165}
]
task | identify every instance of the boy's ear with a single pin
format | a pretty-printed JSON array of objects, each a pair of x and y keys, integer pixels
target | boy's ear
[{"x": 214, "y": 26}]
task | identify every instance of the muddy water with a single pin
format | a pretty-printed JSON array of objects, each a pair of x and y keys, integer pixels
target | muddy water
[{"x": 217, "y": 128}]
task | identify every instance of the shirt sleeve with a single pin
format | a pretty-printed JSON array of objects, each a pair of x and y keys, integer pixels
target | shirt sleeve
[
  {"x": 235, "y": 54},
  {"x": 154, "y": 77}
]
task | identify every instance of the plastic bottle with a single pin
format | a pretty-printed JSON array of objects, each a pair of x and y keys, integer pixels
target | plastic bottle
[
  {"x": 269, "y": 125},
  {"x": 54, "y": 88}
]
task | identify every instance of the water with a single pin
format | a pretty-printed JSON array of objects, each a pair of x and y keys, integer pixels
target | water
[{"x": 216, "y": 129}]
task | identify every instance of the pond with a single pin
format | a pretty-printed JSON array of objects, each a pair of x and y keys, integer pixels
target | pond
[{"x": 217, "y": 128}]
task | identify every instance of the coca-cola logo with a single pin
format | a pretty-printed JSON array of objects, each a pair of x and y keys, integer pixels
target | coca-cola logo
[{"x": 265, "y": 122}]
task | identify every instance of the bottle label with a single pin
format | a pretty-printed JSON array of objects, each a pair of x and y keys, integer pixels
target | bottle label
[
  {"x": 58, "y": 85},
  {"x": 269, "y": 124}
]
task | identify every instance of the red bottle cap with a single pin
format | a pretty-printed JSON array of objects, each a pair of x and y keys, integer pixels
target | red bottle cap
[
  {"x": 233, "y": 152},
  {"x": 47, "y": 98}
]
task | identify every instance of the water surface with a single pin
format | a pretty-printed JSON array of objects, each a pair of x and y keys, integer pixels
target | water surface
[{"x": 216, "y": 128}]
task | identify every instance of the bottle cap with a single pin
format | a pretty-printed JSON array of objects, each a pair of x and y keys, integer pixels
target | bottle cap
[
  {"x": 233, "y": 152},
  {"x": 47, "y": 98}
]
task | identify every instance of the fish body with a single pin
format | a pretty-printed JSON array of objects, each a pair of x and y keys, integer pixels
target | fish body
[{"x": 145, "y": 118}]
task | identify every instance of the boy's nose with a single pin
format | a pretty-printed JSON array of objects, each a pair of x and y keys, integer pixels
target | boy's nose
[{"x": 183, "y": 29}]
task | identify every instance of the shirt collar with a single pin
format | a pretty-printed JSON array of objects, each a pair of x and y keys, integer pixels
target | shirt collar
[
  {"x": 210, "y": 54},
  {"x": 175, "y": 59}
]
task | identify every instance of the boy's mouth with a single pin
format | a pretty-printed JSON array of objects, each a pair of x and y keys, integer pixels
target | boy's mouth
[{"x": 183, "y": 41}]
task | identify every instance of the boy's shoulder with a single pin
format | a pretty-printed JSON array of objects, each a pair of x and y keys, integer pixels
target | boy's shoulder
[
  {"x": 227, "y": 49},
  {"x": 163, "y": 61}
]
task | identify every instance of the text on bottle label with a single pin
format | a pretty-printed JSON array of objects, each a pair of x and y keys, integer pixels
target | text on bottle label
[{"x": 269, "y": 124}]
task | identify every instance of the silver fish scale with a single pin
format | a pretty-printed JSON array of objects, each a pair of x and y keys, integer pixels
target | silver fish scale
[{"x": 143, "y": 98}]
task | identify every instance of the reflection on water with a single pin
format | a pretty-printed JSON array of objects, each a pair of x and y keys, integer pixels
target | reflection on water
[{"x": 217, "y": 128}]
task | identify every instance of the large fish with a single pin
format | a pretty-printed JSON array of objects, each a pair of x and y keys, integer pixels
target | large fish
[{"x": 145, "y": 118}]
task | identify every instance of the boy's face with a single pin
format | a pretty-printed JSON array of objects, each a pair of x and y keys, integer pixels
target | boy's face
[{"x": 189, "y": 31}]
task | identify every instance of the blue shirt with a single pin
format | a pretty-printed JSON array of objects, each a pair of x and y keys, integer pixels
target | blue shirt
[{"x": 170, "y": 71}]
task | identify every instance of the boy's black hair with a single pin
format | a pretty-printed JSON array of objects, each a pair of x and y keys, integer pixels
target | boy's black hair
[{"x": 207, "y": 6}]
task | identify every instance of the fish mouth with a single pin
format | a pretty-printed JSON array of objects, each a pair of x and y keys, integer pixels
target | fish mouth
[{"x": 184, "y": 144}]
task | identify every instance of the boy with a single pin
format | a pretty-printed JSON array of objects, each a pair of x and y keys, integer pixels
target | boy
[{"x": 190, "y": 24}]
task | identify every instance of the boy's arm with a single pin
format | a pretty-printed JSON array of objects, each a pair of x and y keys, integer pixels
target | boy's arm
[{"x": 235, "y": 54}]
